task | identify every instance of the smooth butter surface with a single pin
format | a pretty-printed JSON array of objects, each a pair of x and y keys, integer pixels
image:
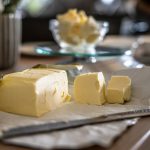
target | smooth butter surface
[
  {"x": 118, "y": 89},
  {"x": 89, "y": 88},
  {"x": 33, "y": 92}
]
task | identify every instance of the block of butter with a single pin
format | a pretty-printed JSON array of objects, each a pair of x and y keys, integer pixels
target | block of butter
[
  {"x": 33, "y": 92},
  {"x": 118, "y": 89},
  {"x": 89, "y": 88}
]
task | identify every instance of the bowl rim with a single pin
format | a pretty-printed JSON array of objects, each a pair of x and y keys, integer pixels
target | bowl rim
[{"x": 100, "y": 22}]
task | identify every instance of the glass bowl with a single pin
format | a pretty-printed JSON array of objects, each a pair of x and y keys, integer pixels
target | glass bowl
[{"x": 82, "y": 46}]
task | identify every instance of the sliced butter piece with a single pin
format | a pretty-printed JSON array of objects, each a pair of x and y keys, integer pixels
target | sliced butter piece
[
  {"x": 118, "y": 89},
  {"x": 33, "y": 92},
  {"x": 89, "y": 88}
]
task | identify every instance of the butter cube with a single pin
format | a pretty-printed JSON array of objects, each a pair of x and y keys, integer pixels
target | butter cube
[
  {"x": 89, "y": 88},
  {"x": 118, "y": 89},
  {"x": 33, "y": 92}
]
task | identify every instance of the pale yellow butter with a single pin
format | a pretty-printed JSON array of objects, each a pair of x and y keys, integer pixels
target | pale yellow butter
[
  {"x": 118, "y": 89},
  {"x": 76, "y": 28},
  {"x": 90, "y": 88},
  {"x": 33, "y": 92}
]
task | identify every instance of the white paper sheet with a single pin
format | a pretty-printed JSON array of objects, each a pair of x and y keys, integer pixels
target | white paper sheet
[{"x": 101, "y": 134}]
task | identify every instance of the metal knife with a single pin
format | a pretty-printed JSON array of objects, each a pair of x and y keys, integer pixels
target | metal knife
[{"x": 49, "y": 127}]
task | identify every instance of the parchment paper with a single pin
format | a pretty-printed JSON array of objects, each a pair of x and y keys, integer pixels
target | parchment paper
[{"x": 100, "y": 134}]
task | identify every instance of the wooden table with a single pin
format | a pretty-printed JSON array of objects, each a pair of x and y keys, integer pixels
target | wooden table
[{"x": 136, "y": 137}]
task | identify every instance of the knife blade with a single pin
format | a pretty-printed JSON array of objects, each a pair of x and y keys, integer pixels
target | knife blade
[{"x": 49, "y": 127}]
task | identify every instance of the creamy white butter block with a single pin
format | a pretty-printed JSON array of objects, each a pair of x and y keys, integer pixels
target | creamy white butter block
[
  {"x": 33, "y": 92},
  {"x": 118, "y": 89},
  {"x": 89, "y": 88}
]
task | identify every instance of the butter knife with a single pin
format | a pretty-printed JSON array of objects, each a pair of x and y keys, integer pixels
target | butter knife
[{"x": 49, "y": 127}]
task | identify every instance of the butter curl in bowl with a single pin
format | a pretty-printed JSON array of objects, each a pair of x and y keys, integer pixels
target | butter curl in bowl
[{"x": 75, "y": 31}]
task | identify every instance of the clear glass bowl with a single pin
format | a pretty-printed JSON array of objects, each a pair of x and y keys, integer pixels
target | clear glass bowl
[{"x": 83, "y": 47}]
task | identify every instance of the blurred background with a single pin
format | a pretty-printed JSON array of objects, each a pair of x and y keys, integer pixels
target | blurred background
[
  {"x": 129, "y": 20},
  {"x": 126, "y": 17}
]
